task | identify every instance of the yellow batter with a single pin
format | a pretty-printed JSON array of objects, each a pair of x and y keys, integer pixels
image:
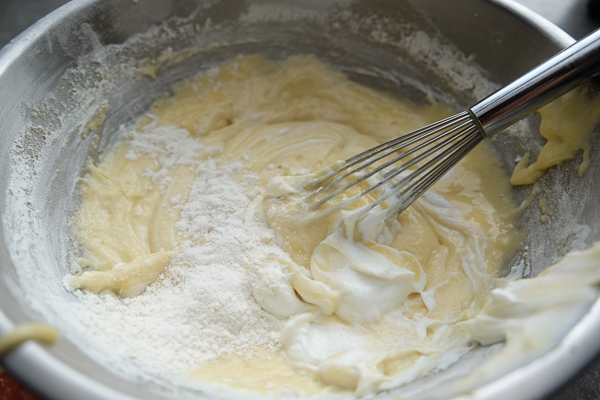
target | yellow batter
[
  {"x": 25, "y": 332},
  {"x": 567, "y": 124},
  {"x": 364, "y": 307}
]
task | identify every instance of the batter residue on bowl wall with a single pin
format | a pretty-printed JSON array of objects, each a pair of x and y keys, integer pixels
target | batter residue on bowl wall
[{"x": 189, "y": 232}]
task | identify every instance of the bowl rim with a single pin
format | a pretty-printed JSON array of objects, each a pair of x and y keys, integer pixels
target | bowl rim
[{"x": 33, "y": 365}]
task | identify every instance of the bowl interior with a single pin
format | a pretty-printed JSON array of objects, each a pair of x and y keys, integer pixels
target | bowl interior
[{"x": 86, "y": 61}]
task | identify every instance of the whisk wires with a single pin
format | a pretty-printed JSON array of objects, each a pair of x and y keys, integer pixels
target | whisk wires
[{"x": 405, "y": 167}]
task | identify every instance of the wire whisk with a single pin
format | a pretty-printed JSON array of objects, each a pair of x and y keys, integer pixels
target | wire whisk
[
  {"x": 438, "y": 147},
  {"x": 402, "y": 169}
]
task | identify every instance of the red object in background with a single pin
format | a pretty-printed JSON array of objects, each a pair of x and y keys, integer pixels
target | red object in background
[{"x": 12, "y": 390}]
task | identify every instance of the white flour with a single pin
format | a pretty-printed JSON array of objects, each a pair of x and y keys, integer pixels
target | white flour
[{"x": 202, "y": 307}]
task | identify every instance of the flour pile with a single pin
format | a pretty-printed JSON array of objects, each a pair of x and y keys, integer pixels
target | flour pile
[{"x": 202, "y": 307}]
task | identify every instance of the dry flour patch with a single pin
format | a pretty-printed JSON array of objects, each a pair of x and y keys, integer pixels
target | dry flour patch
[{"x": 202, "y": 307}]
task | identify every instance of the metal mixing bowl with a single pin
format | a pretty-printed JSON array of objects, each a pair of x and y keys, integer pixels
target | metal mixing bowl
[{"x": 62, "y": 71}]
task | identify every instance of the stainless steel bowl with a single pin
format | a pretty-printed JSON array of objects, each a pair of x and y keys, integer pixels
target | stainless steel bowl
[{"x": 63, "y": 70}]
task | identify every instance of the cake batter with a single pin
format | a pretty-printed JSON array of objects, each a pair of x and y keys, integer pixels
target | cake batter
[{"x": 354, "y": 307}]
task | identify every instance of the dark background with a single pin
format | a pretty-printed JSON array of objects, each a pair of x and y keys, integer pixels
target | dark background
[{"x": 576, "y": 17}]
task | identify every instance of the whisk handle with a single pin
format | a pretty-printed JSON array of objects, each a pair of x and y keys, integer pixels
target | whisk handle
[{"x": 546, "y": 82}]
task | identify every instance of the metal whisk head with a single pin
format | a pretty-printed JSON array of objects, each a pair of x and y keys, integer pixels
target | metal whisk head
[
  {"x": 407, "y": 166},
  {"x": 410, "y": 164}
]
